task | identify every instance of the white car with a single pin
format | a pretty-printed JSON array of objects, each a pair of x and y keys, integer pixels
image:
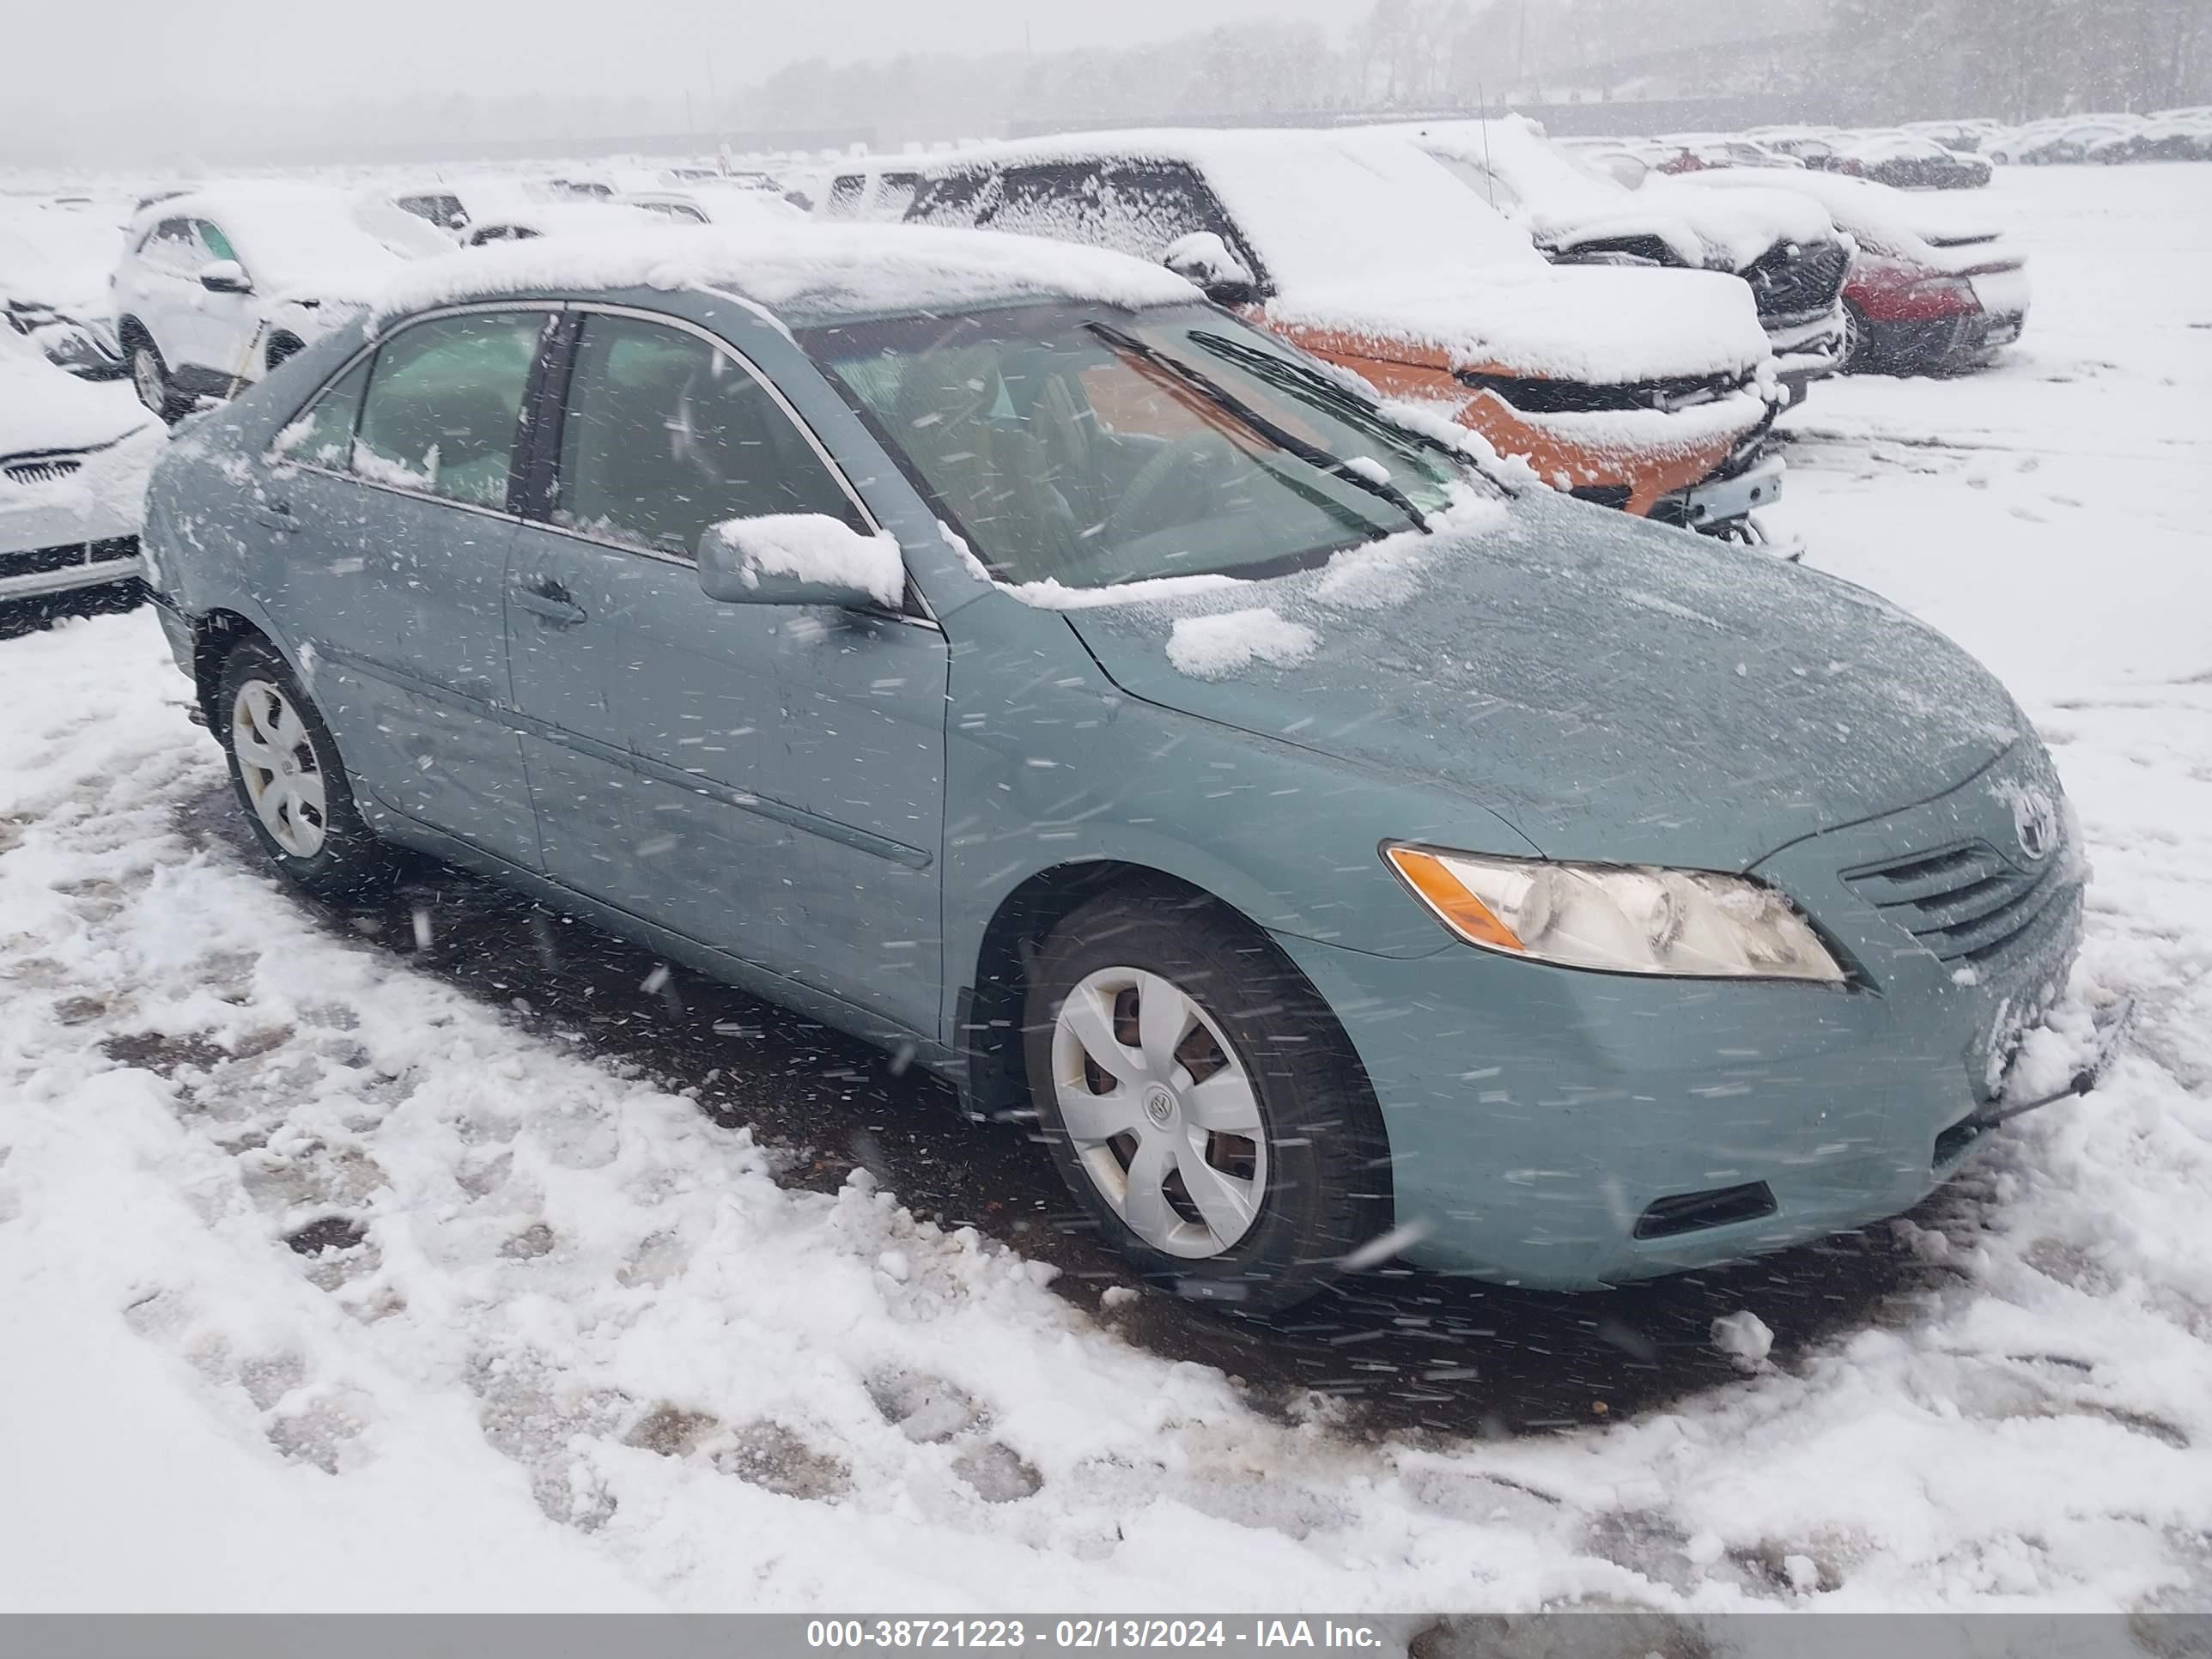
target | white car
[
  {"x": 219, "y": 285},
  {"x": 74, "y": 459}
]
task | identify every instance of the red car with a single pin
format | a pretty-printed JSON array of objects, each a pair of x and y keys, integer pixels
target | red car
[{"x": 1934, "y": 287}]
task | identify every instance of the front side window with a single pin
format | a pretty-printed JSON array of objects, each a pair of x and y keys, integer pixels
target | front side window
[
  {"x": 1134, "y": 206},
  {"x": 443, "y": 404},
  {"x": 1092, "y": 447},
  {"x": 666, "y": 434},
  {"x": 323, "y": 433}
]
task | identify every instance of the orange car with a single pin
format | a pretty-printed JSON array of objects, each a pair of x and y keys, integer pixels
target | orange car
[{"x": 1650, "y": 390}]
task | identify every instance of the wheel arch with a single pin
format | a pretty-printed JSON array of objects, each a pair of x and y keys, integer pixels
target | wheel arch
[
  {"x": 989, "y": 1016},
  {"x": 214, "y": 636}
]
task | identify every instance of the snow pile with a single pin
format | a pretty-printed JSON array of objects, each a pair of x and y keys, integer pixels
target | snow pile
[
  {"x": 810, "y": 272},
  {"x": 1215, "y": 647},
  {"x": 813, "y": 547}
]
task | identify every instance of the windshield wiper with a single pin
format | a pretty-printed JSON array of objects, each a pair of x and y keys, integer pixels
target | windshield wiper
[{"x": 1311, "y": 453}]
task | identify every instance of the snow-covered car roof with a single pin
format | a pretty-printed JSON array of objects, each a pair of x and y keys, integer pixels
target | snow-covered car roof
[
  {"x": 723, "y": 203},
  {"x": 1565, "y": 203},
  {"x": 567, "y": 218},
  {"x": 1317, "y": 206},
  {"x": 806, "y": 275},
  {"x": 308, "y": 240}
]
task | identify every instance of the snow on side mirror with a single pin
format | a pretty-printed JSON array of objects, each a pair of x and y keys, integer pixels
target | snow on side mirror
[
  {"x": 799, "y": 558},
  {"x": 1626, "y": 171},
  {"x": 1202, "y": 258},
  {"x": 224, "y": 277}
]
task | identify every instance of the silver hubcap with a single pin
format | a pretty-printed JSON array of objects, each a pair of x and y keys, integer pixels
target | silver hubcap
[
  {"x": 276, "y": 758},
  {"x": 1160, "y": 1111},
  {"x": 146, "y": 375}
]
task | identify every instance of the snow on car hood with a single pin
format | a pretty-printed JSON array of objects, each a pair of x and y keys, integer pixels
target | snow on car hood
[
  {"x": 1564, "y": 205},
  {"x": 1938, "y": 228},
  {"x": 1594, "y": 323},
  {"x": 1612, "y": 689},
  {"x": 42, "y": 407}
]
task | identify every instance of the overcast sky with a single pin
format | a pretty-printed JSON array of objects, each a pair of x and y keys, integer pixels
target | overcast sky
[{"x": 154, "y": 56}]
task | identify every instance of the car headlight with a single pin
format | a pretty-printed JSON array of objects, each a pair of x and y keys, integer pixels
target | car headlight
[{"x": 1627, "y": 918}]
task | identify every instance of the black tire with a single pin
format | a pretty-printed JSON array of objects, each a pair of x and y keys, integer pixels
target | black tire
[
  {"x": 1328, "y": 1170},
  {"x": 349, "y": 861},
  {"x": 149, "y": 379},
  {"x": 1858, "y": 355}
]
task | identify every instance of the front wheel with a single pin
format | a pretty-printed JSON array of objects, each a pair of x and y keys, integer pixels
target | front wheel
[
  {"x": 149, "y": 379},
  {"x": 1857, "y": 358},
  {"x": 1202, "y": 1102},
  {"x": 285, "y": 768}
]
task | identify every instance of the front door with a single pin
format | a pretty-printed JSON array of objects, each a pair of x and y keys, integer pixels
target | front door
[{"x": 766, "y": 779}]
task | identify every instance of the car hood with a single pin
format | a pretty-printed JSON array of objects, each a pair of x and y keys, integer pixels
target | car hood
[
  {"x": 1613, "y": 690},
  {"x": 1597, "y": 323},
  {"x": 45, "y": 408}
]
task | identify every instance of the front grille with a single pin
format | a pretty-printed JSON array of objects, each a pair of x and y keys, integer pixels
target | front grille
[
  {"x": 1532, "y": 396},
  {"x": 1965, "y": 903},
  {"x": 1791, "y": 278},
  {"x": 52, "y": 470}
]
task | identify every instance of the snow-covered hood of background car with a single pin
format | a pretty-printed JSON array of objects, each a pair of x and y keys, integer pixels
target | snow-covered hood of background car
[
  {"x": 45, "y": 408},
  {"x": 1605, "y": 325},
  {"x": 1612, "y": 689},
  {"x": 1941, "y": 229}
]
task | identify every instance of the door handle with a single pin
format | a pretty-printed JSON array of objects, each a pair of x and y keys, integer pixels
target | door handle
[
  {"x": 549, "y": 600},
  {"x": 275, "y": 515}
]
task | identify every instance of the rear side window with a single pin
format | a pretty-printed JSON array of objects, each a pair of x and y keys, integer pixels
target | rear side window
[
  {"x": 845, "y": 193},
  {"x": 953, "y": 198},
  {"x": 212, "y": 239},
  {"x": 443, "y": 404},
  {"x": 665, "y": 434},
  {"x": 322, "y": 434}
]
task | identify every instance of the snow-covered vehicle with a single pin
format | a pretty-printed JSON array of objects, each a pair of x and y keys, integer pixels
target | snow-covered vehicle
[
  {"x": 217, "y": 286},
  {"x": 872, "y": 192},
  {"x": 34, "y": 304},
  {"x": 1650, "y": 390},
  {"x": 1779, "y": 241},
  {"x": 1935, "y": 285},
  {"x": 73, "y": 464},
  {"x": 712, "y": 202},
  {"x": 2162, "y": 138},
  {"x": 522, "y": 222},
  {"x": 1908, "y": 161},
  {"x": 1693, "y": 152},
  {"x": 2047, "y": 143},
  {"x": 1966, "y": 137}
]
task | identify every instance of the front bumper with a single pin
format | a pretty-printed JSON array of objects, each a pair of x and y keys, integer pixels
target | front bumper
[
  {"x": 77, "y": 528},
  {"x": 1806, "y": 349},
  {"x": 1540, "y": 1119}
]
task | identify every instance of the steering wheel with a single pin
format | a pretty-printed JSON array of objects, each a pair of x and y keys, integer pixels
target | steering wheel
[{"x": 1187, "y": 461}]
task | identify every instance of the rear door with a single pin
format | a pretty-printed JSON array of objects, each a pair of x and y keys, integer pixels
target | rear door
[
  {"x": 766, "y": 780},
  {"x": 392, "y": 515}
]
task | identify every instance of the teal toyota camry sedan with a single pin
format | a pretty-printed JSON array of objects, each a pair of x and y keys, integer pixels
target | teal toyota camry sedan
[{"x": 1332, "y": 843}]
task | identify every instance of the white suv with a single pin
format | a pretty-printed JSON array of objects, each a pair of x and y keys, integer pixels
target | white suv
[{"x": 220, "y": 285}]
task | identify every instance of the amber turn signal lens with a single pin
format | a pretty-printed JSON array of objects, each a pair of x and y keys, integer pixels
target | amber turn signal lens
[{"x": 1467, "y": 915}]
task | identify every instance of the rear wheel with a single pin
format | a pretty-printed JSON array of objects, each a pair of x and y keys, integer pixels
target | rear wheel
[
  {"x": 149, "y": 377},
  {"x": 284, "y": 765},
  {"x": 1202, "y": 1101}
]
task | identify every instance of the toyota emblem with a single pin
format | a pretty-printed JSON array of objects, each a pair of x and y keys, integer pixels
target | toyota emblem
[{"x": 2035, "y": 822}]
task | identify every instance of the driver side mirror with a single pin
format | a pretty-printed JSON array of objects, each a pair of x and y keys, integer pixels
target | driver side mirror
[
  {"x": 1627, "y": 170},
  {"x": 799, "y": 558},
  {"x": 225, "y": 276},
  {"x": 1203, "y": 259}
]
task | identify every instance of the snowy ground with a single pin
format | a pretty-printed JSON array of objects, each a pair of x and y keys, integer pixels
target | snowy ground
[{"x": 422, "y": 1258}]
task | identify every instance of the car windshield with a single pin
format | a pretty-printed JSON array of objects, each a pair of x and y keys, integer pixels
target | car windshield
[{"x": 1093, "y": 447}]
